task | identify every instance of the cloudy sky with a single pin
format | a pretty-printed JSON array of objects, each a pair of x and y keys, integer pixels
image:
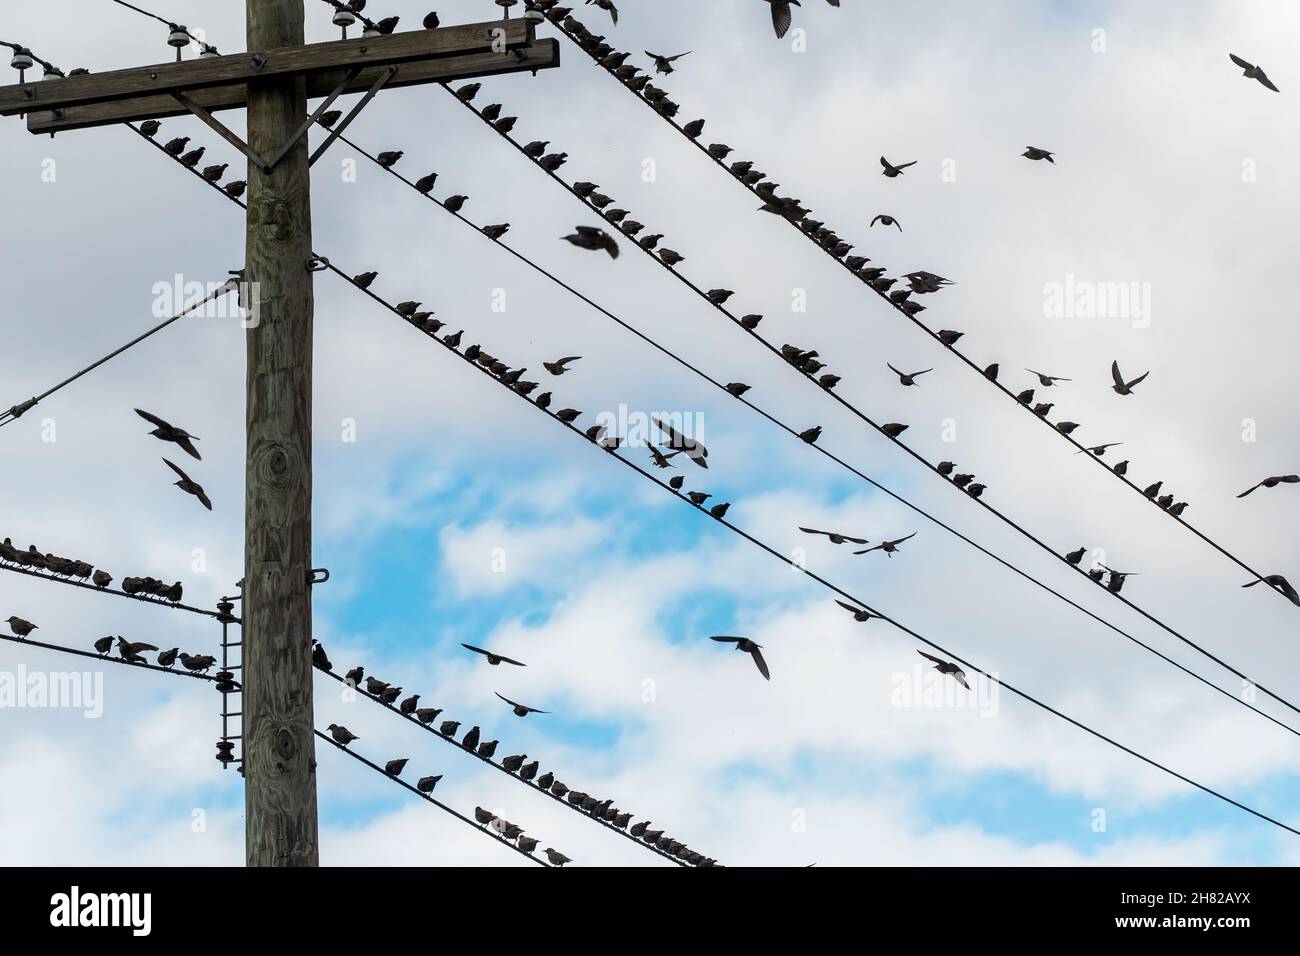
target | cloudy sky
[{"x": 459, "y": 514}]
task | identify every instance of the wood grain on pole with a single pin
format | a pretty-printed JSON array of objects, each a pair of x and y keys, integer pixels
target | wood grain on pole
[
  {"x": 539, "y": 55},
  {"x": 279, "y": 745}
]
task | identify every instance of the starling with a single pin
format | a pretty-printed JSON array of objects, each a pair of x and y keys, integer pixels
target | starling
[
  {"x": 1252, "y": 72},
  {"x": 1034, "y": 153},
  {"x": 103, "y": 579},
  {"x": 1272, "y": 482},
  {"x": 191, "y": 159},
  {"x": 750, "y": 648},
  {"x": 150, "y": 128},
  {"x": 341, "y": 734},
  {"x": 427, "y": 715},
  {"x": 471, "y": 739},
  {"x": 170, "y": 433},
  {"x": 893, "y": 172},
  {"x": 448, "y": 728},
  {"x": 908, "y": 379},
  {"x": 886, "y": 220},
  {"x": 214, "y": 173},
  {"x": 1122, "y": 387},
  {"x": 492, "y": 658},
  {"x": 497, "y": 231},
  {"x": 455, "y": 203},
  {"x": 409, "y": 705},
  {"x": 318, "y": 657},
  {"x": 553, "y": 161},
  {"x": 893, "y": 429},
  {"x": 426, "y": 784},
  {"x": 555, "y": 856},
  {"x": 236, "y": 188},
  {"x": 889, "y": 547},
  {"x": 105, "y": 644},
  {"x": 394, "y": 768},
  {"x": 947, "y": 667},
  {"x": 694, "y": 128},
  {"x": 425, "y": 184},
  {"x": 670, "y": 257},
  {"x": 811, "y": 435},
  {"x": 594, "y": 239},
  {"x": 190, "y": 487},
  {"x": 522, "y": 710},
  {"x": 176, "y": 146}
]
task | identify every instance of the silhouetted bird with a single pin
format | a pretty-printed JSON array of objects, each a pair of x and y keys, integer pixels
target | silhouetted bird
[
  {"x": 1100, "y": 450},
  {"x": 1122, "y": 387},
  {"x": 455, "y": 203},
  {"x": 319, "y": 658},
  {"x": 1047, "y": 381},
  {"x": 991, "y": 373},
  {"x": 164, "y": 431},
  {"x": 150, "y": 128},
  {"x": 892, "y": 171},
  {"x": 886, "y": 220},
  {"x": 889, "y": 547},
  {"x": 782, "y": 16},
  {"x": 471, "y": 738},
  {"x": 497, "y": 231},
  {"x": 102, "y": 579},
  {"x": 750, "y": 648},
  {"x": 483, "y": 816},
  {"x": 426, "y": 784},
  {"x": 1074, "y": 557},
  {"x": 1279, "y": 584},
  {"x": 812, "y": 434},
  {"x": 364, "y": 280},
  {"x": 559, "y": 366},
  {"x": 947, "y": 667},
  {"x": 1272, "y": 483},
  {"x": 354, "y": 676},
  {"x": 835, "y": 537},
  {"x": 1033, "y": 152},
  {"x": 512, "y": 763},
  {"x": 132, "y": 651},
  {"x": 431, "y": 22},
  {"x": 720, "y": 511},
  {"x": 213, "y": 173},
  {"x": 1253, "y": 72},
  {"x": 105, "y": 644},
  {"x": 594, "y": 239},
  {"x": 191, "y": 159},
  {"x": 860, "y": 615},
  {"x": 408, "y": 705},
  {"x": 1122, "y": 468},
  {"x": 908, "y": 378},
  {"x": 176, "y": 146},
  {"x": 427, "y": 715},
  {"x": 693, "y": 449},
  {"x": 555, "y": 856},
  {"x": 448, "y": 728},
  {"x": 493, "y": 659},
  {"x": 236, "y": 188},
  {"x": 394, "y": 768},
  {"x": 1066, "y": 428},
  {"x": 189, "y": 486},
  {"x": 553, "y": 161},
  {"x": 893, "y": 429},
  {"x": 949, "y": 337},
  {"x": 467, "y": 92},
  {"x": 671, "y": 257}
]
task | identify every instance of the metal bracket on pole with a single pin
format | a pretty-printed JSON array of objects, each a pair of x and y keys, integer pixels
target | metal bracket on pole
[
  {"x": 268, "y": 164},
  {"x": 338, "y": 129}
]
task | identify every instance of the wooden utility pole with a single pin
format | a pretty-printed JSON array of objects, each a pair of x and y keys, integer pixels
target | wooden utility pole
[
  {"x": 279, "y": 743},
  {"x": 273, "y": 81}
]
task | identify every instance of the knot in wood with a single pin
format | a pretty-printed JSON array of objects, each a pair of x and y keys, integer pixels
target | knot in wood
[{"x": 278, "y": 466}]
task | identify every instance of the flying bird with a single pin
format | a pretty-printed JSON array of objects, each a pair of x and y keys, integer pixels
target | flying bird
[
  {"x": 1279, "y": 584},
  {"x": 693, "y": 450},
  {"x": 594, "y": 239},
  {"x": 859, "y": 615},
  {"x": 893, "y": 172},
  {"x": 559, "y": 366},
  {"x": 165, "y": 431},
  {"x": 1047, "y": 381},
  {"x": 608, "y": 7},
  {"x": 1122, "y": 387},
  {"x": 189, "y": 486},
  {"x": 1100, "y": 450},
  {"x": 781, "y": 15},
  {"x": 1272, "y": 483},
  {"x": 664, "y": 64},
  {"x": 835, "y": 537},
  {"x": 1034, "y": 153},
  {"x": 889, "y": 547},
  {"x": 493, "y": 659},
  {"x": 886, "y": 220},
  {"x": 522, "y": 710},
  {"x": 1253, "y": 72},
  {"x": 750, "y": 648},
  {"x": 947, "y": 667},
  {"x": 908, "y": 379}
]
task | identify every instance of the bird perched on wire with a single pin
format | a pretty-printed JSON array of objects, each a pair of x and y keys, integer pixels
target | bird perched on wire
[
  {"x": 189, "y": 486},
  {"x": 521, "y": 710},
  {"x": 496, "y": 231},
  {"x": 555, "y": 856},
  {"x": 389, "y": 158},
  {"x": 484, "y": 816},
  {"x": 20, "y": 627},
  {"x": 199, "y": 663},
  {"x": 191, "y": 159},
  {"x": 492, "y": 658},
  {"x": 859, "y": 614},
  {"x": 889, "y": 547},
  {"x": 894, "y": 429},
  {"x": 471, "y": 738},
  {"x": 1034, "y": 153},
  {"x": 132, "y": 652},
  {"x": 891, "y": 171},
  {"x": 394, "y": 768},
  {"x": 1117, "y": 579},
  {"x": 150, "y": 128},
  {"x": 691, "y": 448},
  {"x": 102, "y": 579},
  {"x": 835, "y": 537},
  {"x": 1122, "y": 387},
  {"x": 176, "y": 146},
  {"x": 908, "y": 379},
  {"x": 426, "y": 784},
  {"x": 235, "y": 189},
  {"x": 105, "y": 644},
  {"x": 947, "y": 667},
  {"x": 213, "y": 173},
  {"x": 427, "y": 715},
  {"x": 341, "y": 734},
  {"x": 593, "y": 239},
  {"x": 329, "y": 119},
  {"x": 1279, "y": 584},
  {"x": 553, "y": 161},
  {"x": 1074, "y": 557},
  {"x": 1252, "y": 72},
  {"x": 164, "y": 431},
  {"x": 750, "y": 648},
  {"x": 1272, "y": 482},
  {"x": 886, "y": 220},
  {"x": 318, "y": 656}
]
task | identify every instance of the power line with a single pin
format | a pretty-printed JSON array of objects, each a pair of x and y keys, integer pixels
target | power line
[
  {"x": 424, "y": 796},
  {"x": 827, "y": 584},
  {"x": 793, "y": 432},
  {"x": 174, "y": 27},
  {"x": 28, "y": 642},
  {"x": 915, "y": 321},
  {"x": 23, "y": 407},
  {"x": 858, "y": 413},
  {"x": 110, "y": 591},
  {"x": 494, "y": 766}
]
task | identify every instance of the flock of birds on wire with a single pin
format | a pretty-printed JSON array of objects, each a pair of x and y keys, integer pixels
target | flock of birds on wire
[
  {"x": 516, "y": 764},
  {"x": 596, "y": 239}
]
